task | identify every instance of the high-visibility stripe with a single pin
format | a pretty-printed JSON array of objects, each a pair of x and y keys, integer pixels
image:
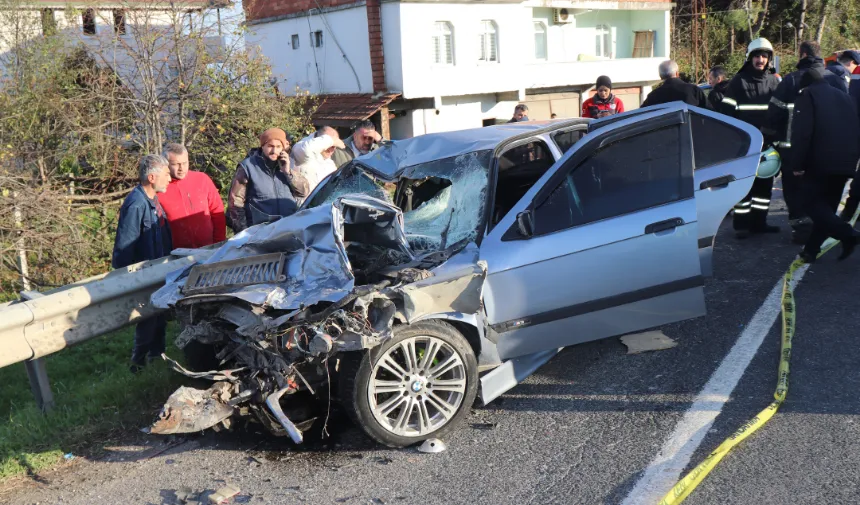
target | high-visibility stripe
[
  {"x": 783, "y": 144},
  {"x": 761, "y": 200},
  {"x": 752, "y": 107},
  {"x": 742, "y": 211},
  {"x": 730, "y": 101},
  {"x": 760, "y": 207},
  {"x": 746, "y": 203}
]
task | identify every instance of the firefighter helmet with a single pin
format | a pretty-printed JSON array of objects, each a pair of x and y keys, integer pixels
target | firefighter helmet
[
  {"x": 769, "y": 163},
  {"x": 760, "y": 44}
]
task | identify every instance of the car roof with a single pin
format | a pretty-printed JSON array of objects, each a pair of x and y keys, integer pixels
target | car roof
[{"x": 395, "y": 156}]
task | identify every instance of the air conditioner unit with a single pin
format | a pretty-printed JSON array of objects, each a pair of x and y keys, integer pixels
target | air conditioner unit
[{"x": 562, "y": 16}]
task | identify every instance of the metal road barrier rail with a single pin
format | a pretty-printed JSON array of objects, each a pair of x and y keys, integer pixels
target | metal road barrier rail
[{"x": 44, "y": 323}]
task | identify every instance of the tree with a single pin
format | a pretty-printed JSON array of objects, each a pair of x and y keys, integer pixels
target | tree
[{"x": 76, "y": 113}]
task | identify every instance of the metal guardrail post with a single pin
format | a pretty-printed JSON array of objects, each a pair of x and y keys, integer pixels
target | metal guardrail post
[{"x": 37, "y": 372}]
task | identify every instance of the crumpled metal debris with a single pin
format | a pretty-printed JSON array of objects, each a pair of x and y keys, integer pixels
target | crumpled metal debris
[
  {"x": 271, "y": 341},
  {"x": 189, "y": 410}
]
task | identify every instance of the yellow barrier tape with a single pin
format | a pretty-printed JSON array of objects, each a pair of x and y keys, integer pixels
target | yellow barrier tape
[{"x": 690, "y": 481}]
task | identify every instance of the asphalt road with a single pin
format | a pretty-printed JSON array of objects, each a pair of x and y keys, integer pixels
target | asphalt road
[{"x": 584, "y": 429}]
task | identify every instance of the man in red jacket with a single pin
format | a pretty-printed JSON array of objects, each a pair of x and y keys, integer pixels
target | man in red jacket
[{"x": 193, "y": 206}]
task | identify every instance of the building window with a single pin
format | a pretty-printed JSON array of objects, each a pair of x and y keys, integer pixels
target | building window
[
  {"x": 603, "y": 41},
  {"x": 643, "y": 44},
  {"x": 443, "y": 43},
  {"x": 119, "y": 22},
  {"x": 49, "y": 23},
  {"x": 540, "y": 40},
  {"x": 489, "y": 42},
  {"x": 89, "y": 21},
  {"x": 295, "y": 41},
  {"x": 317, "y": 38}
]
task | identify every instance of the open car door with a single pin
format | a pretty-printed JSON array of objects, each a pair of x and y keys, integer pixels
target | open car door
[
  {"x": 726, "y": 154},
  {"x": 605, "y": 243}
]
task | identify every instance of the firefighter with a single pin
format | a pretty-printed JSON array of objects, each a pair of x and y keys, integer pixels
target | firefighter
[
  {"x": 746, "y": 98},
  {"x": 778, "y": 130}
]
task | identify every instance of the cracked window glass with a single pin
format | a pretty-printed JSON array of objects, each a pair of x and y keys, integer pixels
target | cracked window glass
[
  {"x": 442, "y": 200},
  {"x": 454, "y": 212}
]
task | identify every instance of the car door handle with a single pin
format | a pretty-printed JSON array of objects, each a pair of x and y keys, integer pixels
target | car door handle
[
  {"x": 719, "y": 182},
  {"x": 668, "y": 224}
]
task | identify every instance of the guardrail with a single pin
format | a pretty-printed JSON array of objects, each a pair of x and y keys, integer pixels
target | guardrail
[{"x": 44, "y": 323}]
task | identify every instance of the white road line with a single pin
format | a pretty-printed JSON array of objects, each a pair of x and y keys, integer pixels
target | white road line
[{"x": 665, "y": 470}]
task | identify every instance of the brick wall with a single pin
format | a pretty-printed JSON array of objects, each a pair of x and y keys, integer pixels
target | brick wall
[
  {"x": 259, "y": 9},
  {"x": 377, "y": 57}
]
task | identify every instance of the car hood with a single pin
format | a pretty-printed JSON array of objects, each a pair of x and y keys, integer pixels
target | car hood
[{"x": 316, "y": 249}]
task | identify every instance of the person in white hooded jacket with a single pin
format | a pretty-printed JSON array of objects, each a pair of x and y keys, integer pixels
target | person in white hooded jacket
[{"x": 312, "y": 155}]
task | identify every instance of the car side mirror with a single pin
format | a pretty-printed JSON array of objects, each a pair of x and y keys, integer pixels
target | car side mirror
[{"x": 525, "y": 223}]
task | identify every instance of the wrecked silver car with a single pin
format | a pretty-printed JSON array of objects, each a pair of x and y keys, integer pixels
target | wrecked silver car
[{"x": 430, "y": 260}]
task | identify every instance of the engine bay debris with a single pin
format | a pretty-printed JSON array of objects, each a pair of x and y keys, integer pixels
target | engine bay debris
[{"x": 344, "y": 274}]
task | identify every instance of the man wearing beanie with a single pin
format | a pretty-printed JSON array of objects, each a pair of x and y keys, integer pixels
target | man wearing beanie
[
  {"x": 265, "y": 186},
  {"x": 603, "y": 103},
  {"x": 673, "y": 89}
]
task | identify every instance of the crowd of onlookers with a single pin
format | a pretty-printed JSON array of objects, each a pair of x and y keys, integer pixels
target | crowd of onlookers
[{"x": 174, "y": 207}]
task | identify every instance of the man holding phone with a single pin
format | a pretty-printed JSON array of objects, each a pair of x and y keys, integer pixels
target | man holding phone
[{"x": 265, "y": 186}]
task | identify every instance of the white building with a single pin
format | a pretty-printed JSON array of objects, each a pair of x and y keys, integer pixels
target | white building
[
  {"x": 120, "y": 33},
  {"x": 458, "y": 64}
]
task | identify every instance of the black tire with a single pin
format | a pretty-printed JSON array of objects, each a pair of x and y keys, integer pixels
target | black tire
[{"x": 355, "y": 376}]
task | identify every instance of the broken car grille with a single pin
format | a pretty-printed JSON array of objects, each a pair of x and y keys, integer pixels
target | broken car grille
[{"x": 224, "y": 275}]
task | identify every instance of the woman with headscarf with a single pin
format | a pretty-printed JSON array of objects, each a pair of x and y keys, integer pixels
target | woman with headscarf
[{"x": 603, "y": 103}]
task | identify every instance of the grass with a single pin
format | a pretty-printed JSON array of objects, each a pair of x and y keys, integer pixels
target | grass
[{"x": 94, "y": 393}]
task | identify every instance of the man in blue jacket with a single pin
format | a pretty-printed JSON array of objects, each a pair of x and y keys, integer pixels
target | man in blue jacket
[{"x": 143, "y": 234}]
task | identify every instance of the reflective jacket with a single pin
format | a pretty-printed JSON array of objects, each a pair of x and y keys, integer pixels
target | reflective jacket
[{"x": 748, "y": 94}]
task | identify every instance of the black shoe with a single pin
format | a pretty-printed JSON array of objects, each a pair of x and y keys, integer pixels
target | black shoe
[
  {"x": 807, "y": 257},
  {"x": 848, "y": 246},
  {"x": 766, "y": 228},
  {"x": 136, "y": 368}
]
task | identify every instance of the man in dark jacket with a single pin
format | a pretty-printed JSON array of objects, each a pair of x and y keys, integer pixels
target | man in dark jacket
[
  {"x": 824, "y": 140},
  {"x": 778, "y": 129},
  {"x": 265, "y": 186},
  {"x": 673, "y": 89},
  {"x": 746, "y": 98},
  {"x": 143, "y": 234},
  {"x": 718, "y": 79},
  {"x": 851, "y": 61}
]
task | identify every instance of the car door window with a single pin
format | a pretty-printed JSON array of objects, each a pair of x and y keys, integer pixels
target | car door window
[
  {"x": 518, "y": 169},
  {"x": 628, "y": 175},
  {"x": 565, "y": 140},
  {"x": 715, "y": 141}
]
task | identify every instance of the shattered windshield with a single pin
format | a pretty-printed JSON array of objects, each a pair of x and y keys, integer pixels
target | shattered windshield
[{"x": 442, "y": 200}]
